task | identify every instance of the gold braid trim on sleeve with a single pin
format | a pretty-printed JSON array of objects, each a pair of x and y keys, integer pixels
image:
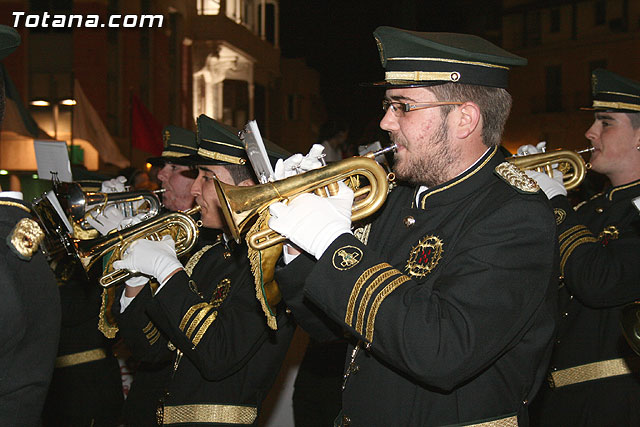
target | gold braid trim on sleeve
[
  {"x": 570, "y": 249},
  {"x": 364, "y": 301},
  {"x": 197, "y": 319},
  {"x": 189, "y": 314},
  {"x": 378, "y": 301},
  {"x": 204, "y": 327},
  {"x": 348, "y": 318}
]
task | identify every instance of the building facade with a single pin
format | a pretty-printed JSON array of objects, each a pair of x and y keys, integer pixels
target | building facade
[
  {"x": 564, "y": 40},
  {"x": 179, "y": 58}
]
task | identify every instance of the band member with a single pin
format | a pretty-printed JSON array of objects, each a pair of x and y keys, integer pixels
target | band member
[
  {"x": 594, "y": 373},
  {"x": 451, "y": 291},
  {"x": 205, "y": 312},
  {"x": 29, "y": 300},
  {"x": 177, "y": 173}
]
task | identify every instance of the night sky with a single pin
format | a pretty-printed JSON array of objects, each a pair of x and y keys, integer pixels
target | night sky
[{"x": 336, "y": 38}]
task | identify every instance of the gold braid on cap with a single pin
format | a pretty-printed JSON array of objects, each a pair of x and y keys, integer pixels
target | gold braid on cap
[
  {"x": 617, "y": 105},
  {"x": 222, "y": 157}
]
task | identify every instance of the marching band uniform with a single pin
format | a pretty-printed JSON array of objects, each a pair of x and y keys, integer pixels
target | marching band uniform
[
  {"x": 208, "y": 317},
  {"x": 29, "y": 315},
  {"x": 473, "y": 337},
  {"x": 450, "y": 293},
  {"x": 153, "y": 361},
  {"x": 86, "y": 388},
  {"x": 29, "y": 300},
  {"x": 593, "y": 378}
]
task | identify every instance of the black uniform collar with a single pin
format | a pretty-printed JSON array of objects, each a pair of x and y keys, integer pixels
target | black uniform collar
[
  {"x": 465, "y": 183},
  {"x": 624, "y": 191}
]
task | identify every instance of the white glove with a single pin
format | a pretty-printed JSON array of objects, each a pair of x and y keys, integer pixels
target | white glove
[
  {"x": 115, "y": 185},
  {"x": 154, "y": 258},
  {"x": 552, "y": 187},
  {"x": 136, "y": 281},
  {"x": 313, "y": 222},
  {"x": 112, "y": 219},
  {"x": 525, "y": 150},
  {"x": 298, "y": 163}
]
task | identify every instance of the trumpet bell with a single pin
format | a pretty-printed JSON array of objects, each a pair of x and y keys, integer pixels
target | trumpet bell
[{"x": 79, "y": 204}]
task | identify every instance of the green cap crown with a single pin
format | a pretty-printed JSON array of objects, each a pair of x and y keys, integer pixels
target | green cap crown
[
  {"x": 612, "y": 92},
  {"x": 219, "y": 144},
  {"x": 179, "y": 145},
  {"x": 412, "y": 58}
]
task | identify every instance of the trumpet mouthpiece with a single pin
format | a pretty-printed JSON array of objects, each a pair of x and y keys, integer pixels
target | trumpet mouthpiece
[
  {"x": 392, "y": 147},
  {"x": 586, "y": 150}
]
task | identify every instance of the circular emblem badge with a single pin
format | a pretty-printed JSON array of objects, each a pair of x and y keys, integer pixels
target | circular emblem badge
[
  {"x": 424, "y": 257},
  {"x": 346, "y": 257}
]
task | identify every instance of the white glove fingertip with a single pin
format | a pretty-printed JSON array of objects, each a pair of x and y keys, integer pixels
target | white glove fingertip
[
  {"x": 277, "y": 209},
  {"x": 316, "y": 150}
]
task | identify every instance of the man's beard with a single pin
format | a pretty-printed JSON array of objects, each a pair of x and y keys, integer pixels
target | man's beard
[{"x": 430, "y": 166}]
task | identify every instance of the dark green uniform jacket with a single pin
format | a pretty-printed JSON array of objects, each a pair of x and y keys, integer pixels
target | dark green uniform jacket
[
  {"x": 230, "y": 357},
  {"x": 600, "y": 261},
  {"x": 30, "y": 325},
  {"x": 86, "y": 388},
  {"x": 454, "y": 302}
]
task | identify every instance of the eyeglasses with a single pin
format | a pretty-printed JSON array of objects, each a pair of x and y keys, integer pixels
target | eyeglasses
[{"x": 399, "y": 109}]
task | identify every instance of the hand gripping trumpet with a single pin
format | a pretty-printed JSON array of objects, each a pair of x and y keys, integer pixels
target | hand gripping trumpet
[
  {"x": 570, "y": 163},
  {"x": 242, "y": 205},
  {"x": 179, "y": 225}
]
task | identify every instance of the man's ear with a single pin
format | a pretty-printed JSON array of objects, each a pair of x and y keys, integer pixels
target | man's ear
[
  {"x": 246, "y": 183},
  {"x": 468, "y": 120}
]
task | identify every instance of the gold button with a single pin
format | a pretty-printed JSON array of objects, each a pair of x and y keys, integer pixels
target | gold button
[
  {"x": 346, "y": 421},
  {"x": 409, "y": 221},
  {"x": 226, "y": 255},
  {"x": 599, "y": 210},
  {"x": 288, "y": 311}
]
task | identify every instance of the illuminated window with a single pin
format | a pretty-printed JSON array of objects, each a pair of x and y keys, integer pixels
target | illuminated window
[{"x": 208, "y": 7}]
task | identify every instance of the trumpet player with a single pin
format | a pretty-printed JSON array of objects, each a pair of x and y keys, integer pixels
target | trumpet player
[
  {"x": 176, "y": 175},
  {"x": 205, "y": 312},
  {"x": 593, "y": 380},
  {"x": 450, "y": 294}
]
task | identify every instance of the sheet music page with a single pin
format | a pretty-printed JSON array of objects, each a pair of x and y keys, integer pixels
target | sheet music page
[
  {"x": 52, "y": 158},
  {"x": 257, "y": 153}
]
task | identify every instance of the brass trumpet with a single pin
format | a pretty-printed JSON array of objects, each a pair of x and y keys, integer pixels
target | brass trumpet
[
  {"x": 241, "y": 205},
  {"x": 570, "y": 163},
  {"x": 179, "y": 225},
  {"x": 79, "y": 204}
]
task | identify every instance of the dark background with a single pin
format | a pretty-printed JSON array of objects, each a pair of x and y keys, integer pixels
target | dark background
[{"x": 336, "y": 38}]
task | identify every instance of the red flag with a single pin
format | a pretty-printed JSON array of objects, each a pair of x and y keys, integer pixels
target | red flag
[{"x": 146, "y": 132}]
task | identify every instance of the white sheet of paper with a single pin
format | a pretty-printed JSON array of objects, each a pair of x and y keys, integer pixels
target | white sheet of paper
[
  {"x": 52, "y": 158},
  {"x": 257, "y": 153}
]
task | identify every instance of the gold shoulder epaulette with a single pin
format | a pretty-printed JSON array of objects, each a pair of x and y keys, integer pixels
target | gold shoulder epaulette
[
  {"x": 516, "y": 178},
  {"x": 25, "y": 238}
]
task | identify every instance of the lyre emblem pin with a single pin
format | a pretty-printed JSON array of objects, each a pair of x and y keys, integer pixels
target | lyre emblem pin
[{"x": 346, "y": 257}]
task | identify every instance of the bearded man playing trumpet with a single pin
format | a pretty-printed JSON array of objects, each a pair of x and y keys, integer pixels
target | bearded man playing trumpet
[
  {"x": 593, "y": 379},
  {"x": 450, "y": 293},
  {"x": 205, "y": 314}
]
